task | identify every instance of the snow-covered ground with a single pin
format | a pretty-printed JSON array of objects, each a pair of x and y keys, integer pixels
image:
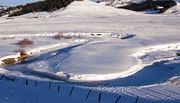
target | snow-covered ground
[{"x": 90, "y": 53}]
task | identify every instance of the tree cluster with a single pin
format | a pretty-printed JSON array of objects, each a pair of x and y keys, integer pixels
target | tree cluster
[
  {"x": 47, "y": 5},
  {"x": 151, "y": 4}
]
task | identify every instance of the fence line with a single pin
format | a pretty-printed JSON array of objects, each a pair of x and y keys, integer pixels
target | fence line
[
  {"x": 87, "y": 96},
  {"x": 99, "y": 100},
  {"x": 26, "y": 82},
  {"x": 137, "y": 98},
  {"x": 11, "y": 79},
  {"x": 58, "y": 89},
  {"x": 116, "y": 101},
  {"x": 71, "y": 91},
  {"x": 49, "y": 86},
  {"x": 35, "y": 85}
]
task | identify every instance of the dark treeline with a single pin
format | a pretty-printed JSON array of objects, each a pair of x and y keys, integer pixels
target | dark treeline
[
  {"x": 151, "y": 4},
  {"x": 47, "y": 5}
]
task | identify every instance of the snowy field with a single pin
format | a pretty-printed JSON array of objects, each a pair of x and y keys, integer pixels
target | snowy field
[{"x": 91, "y": 53}]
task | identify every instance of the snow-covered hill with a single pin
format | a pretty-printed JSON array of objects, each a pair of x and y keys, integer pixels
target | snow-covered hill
[{"x": 87, "y": 7}]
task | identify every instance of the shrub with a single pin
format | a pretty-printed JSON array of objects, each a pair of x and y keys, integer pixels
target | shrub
[
  {"x": 9, "y": 61},
  {"x": 23, "y": 55},
  {"x": 24, "y": 42},
  {"x": 58, "y": 36},
  {"x": 61, "y": 36}
]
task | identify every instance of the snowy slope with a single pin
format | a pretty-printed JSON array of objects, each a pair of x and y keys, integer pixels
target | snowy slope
[
  {"x": 88, "y": 8},
  {"x": 127, "y": 56}
]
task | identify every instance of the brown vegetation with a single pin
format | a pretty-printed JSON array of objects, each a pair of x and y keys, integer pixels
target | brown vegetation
[
  {"x": 9, "y": 61},
  {"x": 61, "y": 36},
  {"x": 58, "y": 36},
  {"x": 25, "y": 42},
  {"x": 23, "y": 55}
]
